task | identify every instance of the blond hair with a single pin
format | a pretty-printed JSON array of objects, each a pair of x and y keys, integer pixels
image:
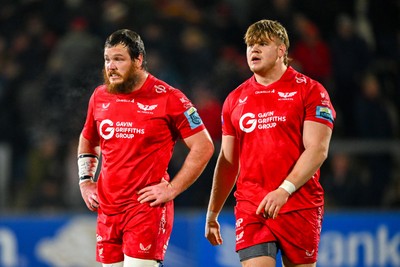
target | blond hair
[{"x": 267, "y": 30}]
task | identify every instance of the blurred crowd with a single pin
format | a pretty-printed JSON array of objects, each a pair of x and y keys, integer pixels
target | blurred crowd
[{"x": 51, "y": 58}]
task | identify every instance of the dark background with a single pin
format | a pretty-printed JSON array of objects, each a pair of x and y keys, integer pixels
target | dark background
[{"x": 51, "y": 57}]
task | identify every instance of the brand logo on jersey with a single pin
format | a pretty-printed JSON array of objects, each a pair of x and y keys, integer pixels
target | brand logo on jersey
[
  {"x": 186, "y": 103},
  {"x": 105, "y": 106},
  {"x": 248, "y": 123},
  {"x": 160, "y": 89},
  {"x": 286, "y": 96},
  {"x": 193, "y": 118},
  {"x": 300, "y": 79},
  {"x": 144, "y": 249},
  {"x": 265, "y": 92},
  {"x": 325, "y": 99},
  {"x": 106, "y": 129},
  {"x": 264, "y": 120},
  {"x": 125, "y": 100},
  {"x": 122, "y": 129},
  {"x": 242, "y": 101},
  {"x": 146, "y": 108}
]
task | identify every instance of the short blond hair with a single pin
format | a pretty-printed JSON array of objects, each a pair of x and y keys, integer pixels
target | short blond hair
[{"x": 267, "y": 30}]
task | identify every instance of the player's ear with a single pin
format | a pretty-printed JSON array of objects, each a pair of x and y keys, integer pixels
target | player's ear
[
  {"x": 282, "y": 49},
  {"x": 138, "y": 61}
]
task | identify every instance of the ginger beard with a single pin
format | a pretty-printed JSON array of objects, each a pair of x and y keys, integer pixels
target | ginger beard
[{"x": 129, "y": 80}]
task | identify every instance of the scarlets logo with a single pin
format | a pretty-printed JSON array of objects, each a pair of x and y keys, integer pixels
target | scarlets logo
[{"x": 146, "y": 108}]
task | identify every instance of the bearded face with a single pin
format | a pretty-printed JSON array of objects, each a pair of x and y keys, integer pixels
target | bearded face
[{"x": 129, "y": 80}]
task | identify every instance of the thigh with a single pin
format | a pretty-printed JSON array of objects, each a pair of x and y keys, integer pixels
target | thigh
[
  {"x": 251, "y": 229},
  {"x": 109, "y": 238},
  {"x": 287, "y": 263},
  {"x": 147, "y": 233},
  {"x": 298, "y": 234},
  {"x": 259, "y": 261}
]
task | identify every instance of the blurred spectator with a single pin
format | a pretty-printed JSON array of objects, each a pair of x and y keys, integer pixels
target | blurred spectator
[
  {"x": 311, "y": 54},
  {"x": 374, "y": 122},
  {"x": 374, "y": 113},
  {"x": 209, "y": 108},
  {"x": 392, "y": 195},
  {"x": 74, "y": 70},
  {"x": 223, "y": 27},
  {"x": 229, "y": 70},
  {"x": 115, "y": 15},
  {"x": 350, "y": 58},
  {"x": 346, "y": 184},
  {"x": 47, "y": 198},
  {"x": 280, "y": 10},
  {"x": 196, "y": 57},
  {"x": 45, "y": 174}
]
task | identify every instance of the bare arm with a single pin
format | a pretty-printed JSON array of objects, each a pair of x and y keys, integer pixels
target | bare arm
[
  {"x": 225, "y": 175},
  {"x": 316, "y": 139},
  {"x": 201, "y": 149},
  {"x": 89, "y": 188},
  {"x": 85, "y": 146}
]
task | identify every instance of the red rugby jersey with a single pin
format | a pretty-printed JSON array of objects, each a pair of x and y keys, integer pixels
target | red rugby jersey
[
  {"x": 136, "y": 133},
  {"x": 268, "y": 121}
]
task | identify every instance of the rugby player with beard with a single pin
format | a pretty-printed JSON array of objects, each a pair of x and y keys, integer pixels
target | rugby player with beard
[{"x": 133, "y": 122}]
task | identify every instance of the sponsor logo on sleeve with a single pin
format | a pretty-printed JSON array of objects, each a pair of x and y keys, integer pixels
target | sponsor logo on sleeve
[
  {"x": 324, "y": 113},
  {"x": 193, "y": 118}
]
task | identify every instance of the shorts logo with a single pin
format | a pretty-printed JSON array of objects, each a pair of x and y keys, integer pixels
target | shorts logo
[
  {"x": 310, "y": 253},
  {"x": 248, "y": 125},
  {"x": 239, "y": 236},
  {"x": 193, "y": 118},
  {"x": 239, "y": 222},
  {"x": 98, "y": 238},
  {"x": 144, "y": 249}
]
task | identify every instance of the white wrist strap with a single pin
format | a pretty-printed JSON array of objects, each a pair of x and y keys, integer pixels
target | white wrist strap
[
  {"x": 87, "y": 166},
  {"x": 211, "y": 216},
  {"x": 288, "y": 187}
]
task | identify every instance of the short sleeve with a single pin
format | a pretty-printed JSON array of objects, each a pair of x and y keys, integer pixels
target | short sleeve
[
  {"x": 227, "y": 126},
  {"x": 90, "y": 128},
  {"x": 319, "y": 107},
  {"x": 184, "y": 116}
]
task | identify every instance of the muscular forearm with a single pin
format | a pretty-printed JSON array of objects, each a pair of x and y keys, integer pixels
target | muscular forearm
[
  {"x": 85, "y": 146},
  {"x": 308, "y": 163},
  {"x": 224, "y": 179},
  {"x": 193, "y": 166}
]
